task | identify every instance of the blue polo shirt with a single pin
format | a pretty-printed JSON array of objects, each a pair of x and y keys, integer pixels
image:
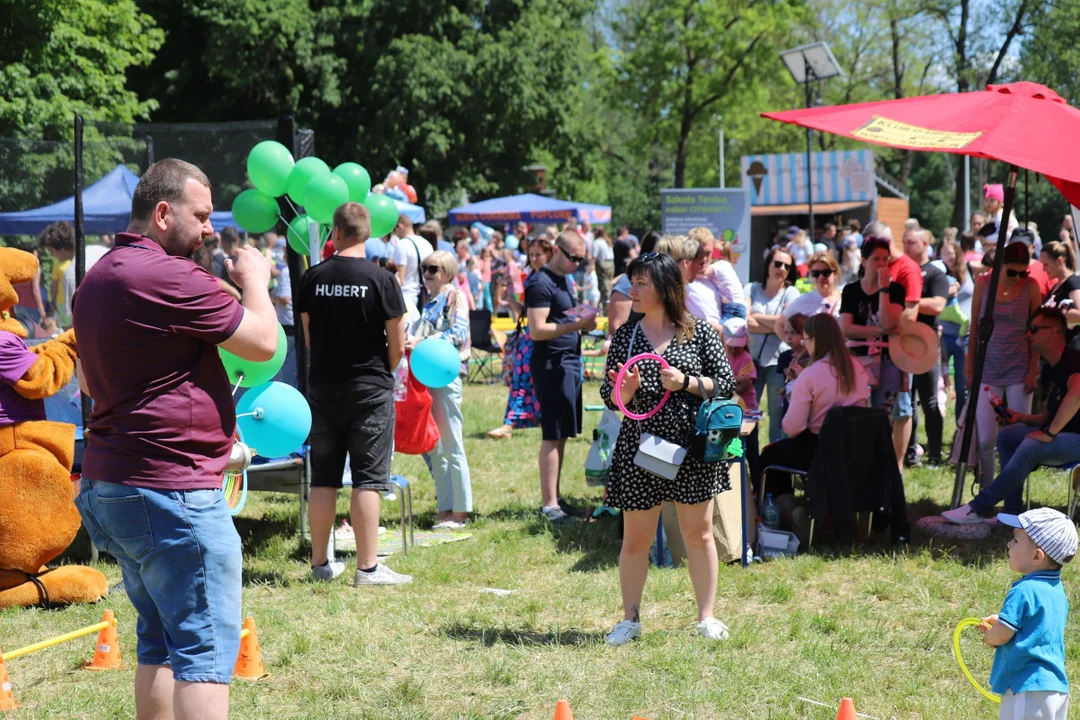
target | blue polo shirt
[{"x": 1034, "y": 660}]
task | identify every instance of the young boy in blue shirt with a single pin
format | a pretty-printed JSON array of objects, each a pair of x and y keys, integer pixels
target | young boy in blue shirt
[{"x": 1029, "y": 631}]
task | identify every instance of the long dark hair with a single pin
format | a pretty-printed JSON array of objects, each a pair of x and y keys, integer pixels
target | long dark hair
[
  {"x": 829, "y": 340},
  {"x": 666, "y": 277}
]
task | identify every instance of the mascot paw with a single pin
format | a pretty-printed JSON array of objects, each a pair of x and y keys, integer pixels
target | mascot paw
[{"x": 64, "y": 585}]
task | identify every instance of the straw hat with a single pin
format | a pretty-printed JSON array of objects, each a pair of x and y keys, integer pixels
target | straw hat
[{"x": 914, "y": 348}]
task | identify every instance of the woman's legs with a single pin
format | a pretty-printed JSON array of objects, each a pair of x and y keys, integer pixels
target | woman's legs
[
  {"x": 639, "y": 530},
  {"x": 449, "y": 456},
  {"x": 695, "y": 524},
  {"x": 986, "y": 427}
]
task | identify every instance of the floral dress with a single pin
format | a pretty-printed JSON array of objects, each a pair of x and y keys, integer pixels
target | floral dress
[
  {"x": 522, "y": 406},
  {"x": 630, "y": 487}
]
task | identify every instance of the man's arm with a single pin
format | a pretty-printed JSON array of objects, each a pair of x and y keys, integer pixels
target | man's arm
[
  {"x": 395, "y": 338},
  {"x": 542, "y": 330},
  {"x": 255, "y": 339},
  {"x": 1069, "y": 405}
]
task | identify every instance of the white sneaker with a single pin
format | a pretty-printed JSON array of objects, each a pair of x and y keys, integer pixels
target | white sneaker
[
  {"x": 712, "y": 629},
  {"x": 381, "y": 575},
  {"x": 623, "y": 633},
  {"x": 448, "y": 525},
  {"x": 962, "y": 515},
  {"x": 329, "y": 571}
]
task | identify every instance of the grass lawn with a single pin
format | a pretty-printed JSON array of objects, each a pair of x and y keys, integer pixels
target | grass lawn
[{"x": 864, "y": 621}]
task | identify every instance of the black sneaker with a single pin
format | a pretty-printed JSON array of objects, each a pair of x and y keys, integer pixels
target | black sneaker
[
  {"x": 556, "y": 516},
  {"x": 571, "y": 510},
  {"x": 912, "y": 461}
]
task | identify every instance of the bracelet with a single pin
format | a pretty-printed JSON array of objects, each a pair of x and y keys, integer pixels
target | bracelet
[
  {"x": 685, "y": 382},
  {"x": 1051, "y": 434}
]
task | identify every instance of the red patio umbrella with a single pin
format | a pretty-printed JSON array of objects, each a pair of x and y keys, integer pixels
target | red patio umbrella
[{"x": 1023, "y": 124}]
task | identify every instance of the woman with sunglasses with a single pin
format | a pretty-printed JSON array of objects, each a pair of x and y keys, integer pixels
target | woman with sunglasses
[
  {"x": 522, "y": 405},
  {"x": 1012, "y": 367},
  {"x": 446, "y": 316},
  {"x": 697, "y": 359},
  {"x": 1059, "y": 262},
  {"x": 765, "y": 304},
  {"x": 824, "y": 298}
]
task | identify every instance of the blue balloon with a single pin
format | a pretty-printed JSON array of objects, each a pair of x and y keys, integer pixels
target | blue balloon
[
  {"x": 274, "y": 418},
  {"x": 512, "y": 242},
  {"x": 435, "y": 362}
]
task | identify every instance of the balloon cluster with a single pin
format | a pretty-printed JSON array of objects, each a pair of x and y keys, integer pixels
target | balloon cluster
[
  {"x": 310, "y": 183},
  {"x": 397, "y": 186}
]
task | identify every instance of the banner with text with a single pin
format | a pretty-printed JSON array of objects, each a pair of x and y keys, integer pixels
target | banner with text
[{"x": 726, "y": 212}]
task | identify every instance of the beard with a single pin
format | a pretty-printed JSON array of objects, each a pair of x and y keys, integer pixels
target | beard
[{"x": 182, "y": 244}]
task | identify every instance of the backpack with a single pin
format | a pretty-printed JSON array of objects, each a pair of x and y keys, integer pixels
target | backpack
[{"x": 717, "y": 428}]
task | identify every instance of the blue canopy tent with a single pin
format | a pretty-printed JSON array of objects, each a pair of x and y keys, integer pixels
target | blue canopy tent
[
  {"x": 413, "y": 212},
  {"x": 528, "y": 208},
  {"x": 106, "y": 208}
]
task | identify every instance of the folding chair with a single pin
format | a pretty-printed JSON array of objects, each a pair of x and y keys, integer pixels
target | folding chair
[
  {"x": 1074, "y": 487},
  {"x": 481, "y": 366}
]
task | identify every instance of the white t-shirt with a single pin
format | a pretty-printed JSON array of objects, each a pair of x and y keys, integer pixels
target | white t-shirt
[
  {"x": 93, "y": 254},
  {"x": 701, "y": 301},
  {"x": 811, "y": 303},
  {"x": 726, "y": 282},
  {"x": 405, "y": 257},
  {"x": 602, "y": 252}
]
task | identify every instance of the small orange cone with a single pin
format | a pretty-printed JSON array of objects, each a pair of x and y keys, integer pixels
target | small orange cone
[
  {"x": 7, "y": 698},
  {"x": 562, "y": 711},
  {"x": 249, "y": 665},
  {"x": 107, "y": 651},
  {"x": 847, "y": 710}
]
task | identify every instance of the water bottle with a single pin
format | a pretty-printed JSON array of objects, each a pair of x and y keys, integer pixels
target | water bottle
[
  {"x": 771, "y": 513},
  {"x": 998, "y": 405},
  {"x": 401, "y": 381}
]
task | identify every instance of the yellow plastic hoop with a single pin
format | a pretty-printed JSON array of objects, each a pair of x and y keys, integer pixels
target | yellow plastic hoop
[{"x": 966, "y": 623}]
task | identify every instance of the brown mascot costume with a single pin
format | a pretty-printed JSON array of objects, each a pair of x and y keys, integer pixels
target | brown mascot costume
[{"x": 38, "y": 518}]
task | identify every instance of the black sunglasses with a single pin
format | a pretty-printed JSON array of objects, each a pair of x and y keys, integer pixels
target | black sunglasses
[
  {"x": 827, "y": 272},
  {"x": 430, "y": 269},
  {"x": 1033, "y": 329},
  {"x": 780, "y": 264},
  {"x": 1017, "y": 273},
  {"x": 648, "y": 256},
  {"x": 572, "y": 258}
]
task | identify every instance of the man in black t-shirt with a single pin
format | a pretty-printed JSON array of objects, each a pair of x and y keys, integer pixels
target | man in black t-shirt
[
  {"x": 935, "y": 293},
  {"x": 556, "y": 363},
  {"x": 353, "y": 315},
  {"x": 1049, "y": 439}
]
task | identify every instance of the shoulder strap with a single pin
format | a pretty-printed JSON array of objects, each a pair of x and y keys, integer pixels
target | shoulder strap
[{"x": 633, "y": 336}]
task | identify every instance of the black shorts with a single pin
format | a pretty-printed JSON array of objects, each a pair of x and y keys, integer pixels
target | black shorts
[
  {"x": 358, "y": 421},
  {"x": 558, "y": 388}
]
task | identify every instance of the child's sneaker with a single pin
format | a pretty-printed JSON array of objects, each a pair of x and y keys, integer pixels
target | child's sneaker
[
  {"x": 345, "y": 532},
  {"x": 962, "y": 515}
]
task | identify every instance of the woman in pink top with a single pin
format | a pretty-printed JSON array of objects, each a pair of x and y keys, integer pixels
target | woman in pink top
[{"x": 831, "y": 380}]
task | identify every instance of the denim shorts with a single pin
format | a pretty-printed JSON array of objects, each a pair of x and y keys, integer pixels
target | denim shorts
[{"x": 181, "y": 560}]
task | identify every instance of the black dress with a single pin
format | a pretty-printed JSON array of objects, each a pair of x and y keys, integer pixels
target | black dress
[{"x": 630, "y": 487}]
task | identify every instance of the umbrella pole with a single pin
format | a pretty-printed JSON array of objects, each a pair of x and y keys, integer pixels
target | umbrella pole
[{"x": 986, "y": 329}]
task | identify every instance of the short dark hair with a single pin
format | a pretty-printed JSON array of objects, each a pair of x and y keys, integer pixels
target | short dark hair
[
  {"x": 1053, "y": 315},
  {"x": 58, "y": 236},
  {"x": 354, "y": 221},
  {"x": 854, "y": 224},
  {"x": 164, "y": 181},
  {"x": 874, "y": 243},
  {"x": 230, "y": 236},
  {"x": 429, "y": 234}
]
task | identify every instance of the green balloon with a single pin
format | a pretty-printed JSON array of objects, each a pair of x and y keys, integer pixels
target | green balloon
[
  {"x": 324, "y": 195},
  {"x": 357, "y": 178},
  {"x": 305, "y": 170},
  {"x": 250, "y": 374},
  {"x": 384, "y": 214},
  {"x": 269, "y": 164},
  {"x": 255, "y": 211},
  {"x": 298, "y": 234}
]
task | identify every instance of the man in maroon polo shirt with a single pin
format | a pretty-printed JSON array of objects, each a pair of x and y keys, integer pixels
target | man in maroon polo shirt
[{"x": 149, "y": 322}]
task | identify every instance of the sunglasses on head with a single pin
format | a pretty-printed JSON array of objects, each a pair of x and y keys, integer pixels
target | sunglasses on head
[
  {"x": 778, "y": 264},
  {"x": 1017, "y": 273},
  {"x": 572, "y": 258},
  {"x": 827, "y": 272},
  {"x": 648, "y": 256},
  {"x": 430, "y": 269}
]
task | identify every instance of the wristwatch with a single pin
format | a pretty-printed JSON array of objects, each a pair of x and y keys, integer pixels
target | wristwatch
[{"x": 1047, "y": 431}]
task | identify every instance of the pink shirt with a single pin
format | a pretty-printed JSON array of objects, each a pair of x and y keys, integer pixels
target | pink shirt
[
  {"x": 742, "y": 366},
  {"x": 814, "y": 393}
]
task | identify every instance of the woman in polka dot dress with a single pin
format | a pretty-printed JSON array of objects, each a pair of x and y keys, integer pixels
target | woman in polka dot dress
[{"x": 693, "y": 350}]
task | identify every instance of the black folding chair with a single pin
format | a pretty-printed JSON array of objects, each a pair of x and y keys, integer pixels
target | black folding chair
[{"x": 484, "y": 352}]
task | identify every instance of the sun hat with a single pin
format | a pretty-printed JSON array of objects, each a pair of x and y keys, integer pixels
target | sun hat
[
  {"x": 914, "y": 348},
  {"x": 1050, "y": 529}
]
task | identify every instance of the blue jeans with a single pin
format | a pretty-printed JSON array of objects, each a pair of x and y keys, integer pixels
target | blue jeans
[
  {"x": 1019, "y": 457},
  {"x": 767, "y": 386},
  {"x": 447, "y": 462},
  {"x": 180, "y": 556},
  {"x": 956, "y": 350}
]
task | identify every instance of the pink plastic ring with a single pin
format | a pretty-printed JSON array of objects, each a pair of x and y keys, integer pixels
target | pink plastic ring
[{"x": 619, "y": 380}]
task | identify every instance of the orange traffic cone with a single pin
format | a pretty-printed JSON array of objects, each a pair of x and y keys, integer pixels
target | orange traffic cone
[
  {"x": 249, "y": 665},
  {"x": 562, "y": 711},
  {"x": 107, "y": 651},
  {"x": 847, "y": 710},
  {"x": 7, "y": 698}
]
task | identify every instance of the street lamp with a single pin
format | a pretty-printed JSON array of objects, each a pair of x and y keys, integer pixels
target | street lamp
[
  {"x": 806, "y": 64},
  {"x": 720, "y": 121}
]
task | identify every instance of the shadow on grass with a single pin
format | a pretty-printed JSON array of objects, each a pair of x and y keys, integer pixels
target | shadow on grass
[{"x": 490, "y": 636}]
